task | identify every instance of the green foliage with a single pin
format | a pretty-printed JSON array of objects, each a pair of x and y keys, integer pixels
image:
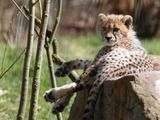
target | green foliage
[
  {"x": 152, "y": 46},
  {"x": 70, "y": 48}
]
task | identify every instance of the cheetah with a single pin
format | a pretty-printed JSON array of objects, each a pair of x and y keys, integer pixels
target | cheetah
[{"x": 121, "y": 55}]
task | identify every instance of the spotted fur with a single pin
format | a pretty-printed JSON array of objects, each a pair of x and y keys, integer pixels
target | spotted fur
[
  {"x": 72, "y": 65},
  {"x": 121, "y": 55}
]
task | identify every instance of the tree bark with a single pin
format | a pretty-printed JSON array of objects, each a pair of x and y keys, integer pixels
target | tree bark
[
  {"x": 38, "y": 63},
  {"x": 27, "y": 61},
  {"x": 128, "y": 98}
]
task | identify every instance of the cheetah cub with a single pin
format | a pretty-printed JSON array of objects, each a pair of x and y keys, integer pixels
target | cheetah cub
[{"x": 121, "y": 55}]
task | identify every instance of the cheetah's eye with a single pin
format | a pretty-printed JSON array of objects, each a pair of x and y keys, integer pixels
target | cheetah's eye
[
  {"x": 115, "y": 29},
  {"x": 104, "y": 28}
]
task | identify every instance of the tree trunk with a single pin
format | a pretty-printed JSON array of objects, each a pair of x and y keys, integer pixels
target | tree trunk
[{"x": 128, "y": 98}]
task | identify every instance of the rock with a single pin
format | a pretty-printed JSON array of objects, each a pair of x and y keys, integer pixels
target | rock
[
  {"x": 155, "y": 62},
  {"x": 129, "y": 98}
]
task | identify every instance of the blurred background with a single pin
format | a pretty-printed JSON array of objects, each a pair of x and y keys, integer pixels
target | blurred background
[{"x": 79, "y": 16}]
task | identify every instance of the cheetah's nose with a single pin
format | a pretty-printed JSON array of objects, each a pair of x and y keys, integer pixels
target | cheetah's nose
[{"x": 108, "y": 38}]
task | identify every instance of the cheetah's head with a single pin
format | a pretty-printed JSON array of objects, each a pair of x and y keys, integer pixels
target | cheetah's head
[{"x": 114, "y": 28}]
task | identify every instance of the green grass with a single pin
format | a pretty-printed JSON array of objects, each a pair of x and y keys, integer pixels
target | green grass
[
  {"x": 152, "y": 46},
  {"x": 70, "y": 48}
]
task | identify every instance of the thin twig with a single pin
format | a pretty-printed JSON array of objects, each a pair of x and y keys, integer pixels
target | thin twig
[
  {"x": 48, "y": 46},
  {"x": 40, "y": 8},
  {"x": 37, "y": 22},
  {"x": 12, "y": 64},
  {"x": 49, "y": 43},
  {"x": 20, "y": 9},
  {"x": 58, "y": 17},
  {"x": 4, "y": 54},
  {"x": 55, "y": 46},
  {"x": 50, "y": 63}
]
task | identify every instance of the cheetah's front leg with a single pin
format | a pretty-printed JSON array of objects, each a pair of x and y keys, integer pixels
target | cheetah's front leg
[
  {"x": 54, "y": 94},
  {"x": 67, "y": 67}
]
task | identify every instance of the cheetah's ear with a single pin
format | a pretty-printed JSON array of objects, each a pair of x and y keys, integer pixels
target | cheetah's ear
[
  {"x": 128, "y": 20},
  {"x": 102, "y": 18}
]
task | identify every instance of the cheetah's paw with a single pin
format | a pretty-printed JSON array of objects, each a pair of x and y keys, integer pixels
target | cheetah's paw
[
  {"x": 51, "y": 95},
  {"x": 62, "y": 71}
]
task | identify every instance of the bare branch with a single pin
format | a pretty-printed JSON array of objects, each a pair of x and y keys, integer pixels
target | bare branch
[
  {"x": 58, "y": 17},
  {"x": 12, "y": 64},
  {"x": 27, "y": 61},
  {"x": 3, "y": 57},
  {"x": 50, "y": 63},
  {"x": 20, "y": 9},
  {"x": 38, "y": 63},
  {"x": 40, "y": 7},
  {"x": 37, "y": 22},
  {"x": 48, "y": 46},
  {"x": 56, "y": 59}
]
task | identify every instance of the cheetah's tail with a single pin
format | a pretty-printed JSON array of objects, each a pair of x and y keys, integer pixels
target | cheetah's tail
[{"x": 91, "y": 102}]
